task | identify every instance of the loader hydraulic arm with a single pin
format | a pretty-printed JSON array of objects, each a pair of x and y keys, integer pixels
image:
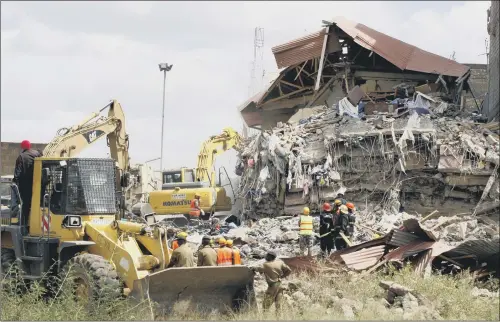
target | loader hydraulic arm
[
  {"x": 69, "y": 142},
  {"x": 215, "y": 145}
]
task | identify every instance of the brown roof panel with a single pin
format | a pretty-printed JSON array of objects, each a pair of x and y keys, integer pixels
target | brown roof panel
[
  {"x": 299, "y": 50},
  {"x": 401, "y": 54}
]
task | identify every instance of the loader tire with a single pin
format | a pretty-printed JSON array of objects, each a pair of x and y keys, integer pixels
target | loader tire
[
  {"x": 8, "y": 263},
  {"x": 93, "y": 278}
]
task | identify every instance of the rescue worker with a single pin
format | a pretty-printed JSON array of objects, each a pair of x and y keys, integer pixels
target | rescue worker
[
  {"x": 23, "y": 178},
  {"x": 342, "y": 225},
  {"x": 224, "y": 254},
  {"x": 182, "y": 256},
  {"x": 236, "y": 255},
  {"x": 196, "y": 210},
  {"x": 175, "y": 243},
  {"x": 352, "y": 217},
  {"x": 274, "y": 270},
  {"x": 336, "y": 205},
  {"x": 305, "y": 231},
  {"x": 340, "y": 196},
  {"x": 325, "y": 230},
  {"x": 207, "y": 255}
]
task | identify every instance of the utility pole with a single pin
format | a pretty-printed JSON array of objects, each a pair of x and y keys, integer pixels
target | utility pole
[{"x": 164, "y": 67}]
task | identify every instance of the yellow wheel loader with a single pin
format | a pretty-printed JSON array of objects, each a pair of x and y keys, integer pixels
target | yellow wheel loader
[
  {"x": 77, "y": 219},
  {"x": 179, "y": 186}
]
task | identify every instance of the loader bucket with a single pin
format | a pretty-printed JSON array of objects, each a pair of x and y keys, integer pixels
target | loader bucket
[{"x": 205, "y": 288}]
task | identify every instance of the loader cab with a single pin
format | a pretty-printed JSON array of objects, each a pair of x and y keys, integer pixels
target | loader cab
[{"x": 67, "y": 192}]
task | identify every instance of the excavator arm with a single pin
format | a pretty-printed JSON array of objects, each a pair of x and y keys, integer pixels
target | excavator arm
[
  {"x": 69, "y": 142},
  {"x": 210, "y": 149}
]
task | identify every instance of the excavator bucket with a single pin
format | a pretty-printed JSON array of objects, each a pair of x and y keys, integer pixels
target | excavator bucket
[{"x": 226, "y": 289}]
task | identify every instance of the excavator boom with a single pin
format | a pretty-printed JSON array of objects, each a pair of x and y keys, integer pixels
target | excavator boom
[
  {"x": 212, "y": 147},
  {"x": 69, "y": 142}
]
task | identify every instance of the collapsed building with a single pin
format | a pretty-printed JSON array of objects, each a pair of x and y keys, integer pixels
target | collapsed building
[{"x": 357, "y": 112}]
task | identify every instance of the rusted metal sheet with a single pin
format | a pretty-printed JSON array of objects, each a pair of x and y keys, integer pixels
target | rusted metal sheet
[
  {"x": 335, "y": 256},
  {"x": 365, "y": 258},
  {"x": 401, "y": 54},
  {"x": 400, "y": 238},
  {"x": 299, "y": 50},
  {"x": 413, "y": 226},
  {"x": 301, "y": 263},
  {"x": 409, "y": 250}
]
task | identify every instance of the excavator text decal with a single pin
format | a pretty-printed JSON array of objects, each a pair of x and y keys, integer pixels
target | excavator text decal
[
  {"x": 91, "y": 136},
  {"x": 176, "y": 203}
]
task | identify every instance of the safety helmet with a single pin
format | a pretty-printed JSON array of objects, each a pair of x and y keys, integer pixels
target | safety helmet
[
  {"x": 229, "y": 242},
  {"x": 25, "y": 145},
  {"x": 196, "y": 195},
  {"x": 343, "y": 209},
  {"x": 306, "y": 211},
  {"x": 182, "y": 235},
  {"x": 327, "y": 207},
  {"x": 222, "y": 241},
  {"x": 337, "y": 202},
  {"x": 350, "y": 205}
]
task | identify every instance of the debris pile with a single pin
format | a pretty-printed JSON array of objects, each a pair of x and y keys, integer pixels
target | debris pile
[{"x": 413, "y": 158}]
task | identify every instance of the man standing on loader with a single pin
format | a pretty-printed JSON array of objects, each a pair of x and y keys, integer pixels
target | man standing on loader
[
  {"x": 182, "y": 256},
  {"x": 23, "y": 177}
]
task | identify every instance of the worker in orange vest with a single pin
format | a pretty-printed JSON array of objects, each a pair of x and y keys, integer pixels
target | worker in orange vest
[
  {"x": 175, "y": 243},
  {"x": 236, "y": 256},
  {"x": 196, "y": 210},
  {"x": 224, "y": 254}
]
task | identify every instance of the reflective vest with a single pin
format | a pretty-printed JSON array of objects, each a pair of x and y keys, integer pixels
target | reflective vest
[
  {"x": 194, "y": 211},
  {"x": 236, "y": 256},
  {"x": 224, "y": 256},
  {"x": 175, "y": 245},
  {"x": 306, "y": 225}
]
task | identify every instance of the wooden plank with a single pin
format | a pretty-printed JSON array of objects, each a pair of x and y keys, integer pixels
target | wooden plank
[
  {"x": 289, "y": 94},
  {"x": 322, "y": 60},
  {"x": 290, "y": 84},
  {"x": 300, "y": 71}
]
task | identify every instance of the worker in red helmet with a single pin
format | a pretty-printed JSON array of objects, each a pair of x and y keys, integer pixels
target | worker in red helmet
[
  {"x": 325, "y": 230},
  {"x": 23, "y": 178}
]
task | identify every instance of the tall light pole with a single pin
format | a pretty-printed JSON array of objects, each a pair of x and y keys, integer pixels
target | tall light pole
[{"x": 164, "y": 67}]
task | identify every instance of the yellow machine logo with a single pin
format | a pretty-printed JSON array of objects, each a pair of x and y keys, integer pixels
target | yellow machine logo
[{"x": 176, "y": 203}]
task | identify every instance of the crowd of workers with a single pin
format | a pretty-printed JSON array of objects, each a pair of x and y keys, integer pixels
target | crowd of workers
[
  {"x": 336, "y": 226},
  {"x": 208, "y": 254}
]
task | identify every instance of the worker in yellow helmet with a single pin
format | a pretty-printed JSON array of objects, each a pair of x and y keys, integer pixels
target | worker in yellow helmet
[
  {"x": 224, "y": 254},
  {"x": 180, "y": 235},
  {"x": 236, "y": 256},
  {"x": 341, "y": 225},
  {"x": 336, "y": 205},
  {"x": 305, "y": 231},
  {"x": 195, "y": 206}
]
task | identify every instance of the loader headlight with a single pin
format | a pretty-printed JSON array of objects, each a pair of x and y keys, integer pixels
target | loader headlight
[{"x": 72, "y": 221}]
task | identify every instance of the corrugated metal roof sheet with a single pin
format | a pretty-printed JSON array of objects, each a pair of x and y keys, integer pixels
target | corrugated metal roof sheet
[
  {"x": 481, "y": 249},
  {"x": 299, "y": 50},
  {"x": 400, "y": 238},
  {"x": 365, "y": 258},
  {"x": 408, "y": 250},
  {"x": 401, "y": 54}
]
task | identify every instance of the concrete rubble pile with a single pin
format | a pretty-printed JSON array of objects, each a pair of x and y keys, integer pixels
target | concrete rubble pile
[{"x": 418, "y": 161}]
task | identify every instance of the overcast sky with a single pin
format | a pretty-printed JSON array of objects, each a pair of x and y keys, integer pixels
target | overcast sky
[{"x": 64, "y": 60}]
